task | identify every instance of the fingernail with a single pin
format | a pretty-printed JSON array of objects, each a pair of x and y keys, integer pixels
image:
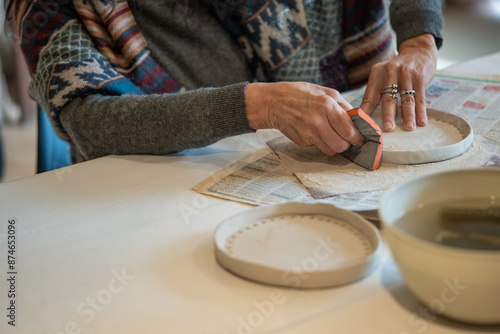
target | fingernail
[
  {"x": 422, "y": 120},
  {"x": 388, "y": 126},
  {"x": 410, "y": 125}
]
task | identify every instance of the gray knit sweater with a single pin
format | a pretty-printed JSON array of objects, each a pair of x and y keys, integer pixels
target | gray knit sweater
[{"x": 213, "y": 107}]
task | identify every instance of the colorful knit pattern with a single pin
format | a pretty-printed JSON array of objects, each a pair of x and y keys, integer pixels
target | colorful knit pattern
[{"x": 85, "y": 47}]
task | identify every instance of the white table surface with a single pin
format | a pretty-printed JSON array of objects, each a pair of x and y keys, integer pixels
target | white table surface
[
  {"x": 489, "y": 64},
  {"x": 122, "y": 245}
]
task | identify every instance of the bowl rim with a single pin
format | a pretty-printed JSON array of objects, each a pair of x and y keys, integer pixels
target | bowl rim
[{"x": 429, "y": 245}]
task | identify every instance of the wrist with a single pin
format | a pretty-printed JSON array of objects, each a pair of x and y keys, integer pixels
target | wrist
[
  {"x": 424, "y": 41},
  {"x": 256, "y": 105}
]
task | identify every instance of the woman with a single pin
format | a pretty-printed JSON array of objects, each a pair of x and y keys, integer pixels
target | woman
[{"x": 154, "y": 77}]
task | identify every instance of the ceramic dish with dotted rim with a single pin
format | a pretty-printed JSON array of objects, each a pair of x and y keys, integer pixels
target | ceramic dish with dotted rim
[
  {"x": 298, "y": 245},
  {"x": 426, "y": 147}
]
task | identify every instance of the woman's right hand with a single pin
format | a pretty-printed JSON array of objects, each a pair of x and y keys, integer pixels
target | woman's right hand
[{"x": 308, "y": 114}]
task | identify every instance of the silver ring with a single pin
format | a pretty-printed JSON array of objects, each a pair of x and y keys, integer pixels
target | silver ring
[
  {"x": 408, "y": 92},
  {"x": 391, "y": 91},
  {"x": 393, "y": 86},
  {"x": 393, "y": 95}
]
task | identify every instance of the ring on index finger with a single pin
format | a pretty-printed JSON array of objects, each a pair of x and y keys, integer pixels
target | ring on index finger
[
  {"x": 393, "y": 94},
  {"x": 391, "y": 90},
  {"x": 390, "y": 87},
  {"x": 408, "y": 92}
]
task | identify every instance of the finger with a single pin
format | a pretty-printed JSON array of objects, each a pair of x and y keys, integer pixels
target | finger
[
  {"x": 330, "y": 143},
  {"x": 420, "y": 105},
  {"x": 372, "y": 93},
  {"x": 407, "y": 102},
  {"x": 336, "y": 96},
  {"x": 325, "y": 136},
  {"x": 343, "y": 103},
  {"x": 389, "y": 107},
  {"x": 308, "y": 137},
  {"x": 342, "y": 124},
  {"x": 338, "y": 121},
  {"x": 408, "y": 109}
]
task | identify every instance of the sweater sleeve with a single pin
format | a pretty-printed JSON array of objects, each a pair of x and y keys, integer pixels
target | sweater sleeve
[
  {"x": 416, "y": 17},
  {"x": 154, "y": 124},
  {"x": 121, "y": 103}
]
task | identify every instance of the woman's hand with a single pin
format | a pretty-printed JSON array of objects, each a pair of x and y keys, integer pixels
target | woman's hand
[
  {"x": 412, "y": 69},
  {"x": 308, "y": 114}
]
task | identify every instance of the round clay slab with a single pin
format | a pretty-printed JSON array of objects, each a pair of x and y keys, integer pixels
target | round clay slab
[
  {"x": 444, "y": 137},
  {"x": 298, "y": 245}
]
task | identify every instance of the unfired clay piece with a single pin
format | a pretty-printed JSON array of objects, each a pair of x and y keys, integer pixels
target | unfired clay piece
[
  {"x": 298, "y": 245},
  {"x": 445, "y": 136}
]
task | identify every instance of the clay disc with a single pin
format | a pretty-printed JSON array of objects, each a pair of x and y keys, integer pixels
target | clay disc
[
  {"x": 298, "y": 245},
  {"x": 445, "y": 136}
]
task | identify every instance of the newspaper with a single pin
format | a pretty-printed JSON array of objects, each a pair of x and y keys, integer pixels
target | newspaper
[
  {"x": 477, "y": 101},
  {"x": 262, "y": 178}
]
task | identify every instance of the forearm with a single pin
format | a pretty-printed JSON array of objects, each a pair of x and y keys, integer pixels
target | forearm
[
  {"x": 412, "y": 18},
  {"x": 154, "y": 124}
]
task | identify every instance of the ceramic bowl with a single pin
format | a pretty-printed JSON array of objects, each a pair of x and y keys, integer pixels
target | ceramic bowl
[{"x": 456, "y": 282}]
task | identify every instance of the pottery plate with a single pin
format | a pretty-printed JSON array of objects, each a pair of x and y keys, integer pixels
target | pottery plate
[
  {"x": 298, "y": 245},
  {"x": 444, "y": 137}
]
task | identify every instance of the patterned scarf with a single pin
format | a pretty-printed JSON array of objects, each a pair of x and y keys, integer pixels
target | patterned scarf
[{"x": 83, "y": 47}]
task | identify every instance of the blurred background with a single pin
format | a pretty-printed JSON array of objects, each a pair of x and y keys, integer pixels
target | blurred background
[{"x": 472, "y": 29}]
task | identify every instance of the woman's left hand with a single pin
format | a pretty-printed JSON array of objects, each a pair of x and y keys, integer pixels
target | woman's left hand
[{"x": 412, "y": 69}]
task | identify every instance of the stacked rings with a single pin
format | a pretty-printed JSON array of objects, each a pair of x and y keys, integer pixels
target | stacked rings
[{"x": 391, "y": 90}]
